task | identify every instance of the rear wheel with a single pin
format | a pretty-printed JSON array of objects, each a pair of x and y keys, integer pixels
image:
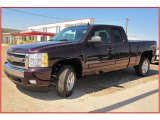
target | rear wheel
[
  {"x": 143, "y": 67},
  {"x": 66, "y": 81}
]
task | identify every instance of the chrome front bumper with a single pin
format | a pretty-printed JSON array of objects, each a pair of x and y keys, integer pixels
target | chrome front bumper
[
  {"x": 21, "y": 77},
  {"x": 17, "y": 72}
]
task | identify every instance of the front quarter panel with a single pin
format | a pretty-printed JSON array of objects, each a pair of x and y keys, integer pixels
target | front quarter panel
[{"x": 59, "y": 53}]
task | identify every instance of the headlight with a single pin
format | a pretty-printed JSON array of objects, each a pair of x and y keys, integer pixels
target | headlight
[{"x": 38, "y": 60}]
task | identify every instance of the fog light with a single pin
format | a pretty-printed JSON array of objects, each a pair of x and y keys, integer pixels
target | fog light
[{"x": 32, "y": 82}]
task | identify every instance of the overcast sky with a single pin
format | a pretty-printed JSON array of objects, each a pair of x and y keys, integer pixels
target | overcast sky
[{"x": 143, "y": 23}]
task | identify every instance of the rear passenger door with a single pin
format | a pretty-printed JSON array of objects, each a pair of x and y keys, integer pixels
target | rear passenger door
[{"x": 121, "y": 47}]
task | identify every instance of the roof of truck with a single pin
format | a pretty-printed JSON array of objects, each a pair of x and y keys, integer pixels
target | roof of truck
[{"x": 93, "y": 25}]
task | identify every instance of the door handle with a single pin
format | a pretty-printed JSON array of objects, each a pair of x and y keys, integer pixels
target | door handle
[{"x": 110, "y": 49}]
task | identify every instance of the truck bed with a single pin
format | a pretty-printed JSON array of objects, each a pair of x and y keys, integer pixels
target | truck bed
[
  {"x": 141, "y": 45},
  {"x": 138, "y": 46}
]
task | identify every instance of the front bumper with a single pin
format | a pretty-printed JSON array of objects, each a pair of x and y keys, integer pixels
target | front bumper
[
  {"x": 22, "y": 76},
  {"x": 18, "y": 72}
]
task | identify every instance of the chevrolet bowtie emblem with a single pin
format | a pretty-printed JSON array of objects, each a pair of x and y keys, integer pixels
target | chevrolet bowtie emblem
[{"x": 11, "y": 58}]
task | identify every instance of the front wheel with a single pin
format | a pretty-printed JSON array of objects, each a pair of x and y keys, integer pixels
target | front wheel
[
  {"x": 66, "y": 81},
  {"x": 143, "y": 67}
]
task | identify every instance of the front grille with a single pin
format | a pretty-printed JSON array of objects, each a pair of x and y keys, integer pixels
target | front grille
[
  {"x": 17, "y": 63},
  {"x": 16, "y": 59},
  {"x": 18, "y": 55}
]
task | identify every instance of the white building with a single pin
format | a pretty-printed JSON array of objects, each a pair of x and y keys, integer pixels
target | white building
[{"x": 56, "y": 27}]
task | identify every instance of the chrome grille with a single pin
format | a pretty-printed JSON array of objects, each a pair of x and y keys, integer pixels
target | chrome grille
[{"x": 17, "y": 59}]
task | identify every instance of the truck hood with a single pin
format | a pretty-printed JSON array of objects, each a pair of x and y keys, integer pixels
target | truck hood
[{"x": 35, "y": 47}]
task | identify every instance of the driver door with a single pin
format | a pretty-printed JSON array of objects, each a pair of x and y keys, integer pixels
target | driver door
[{"x": 99, "y": 56}]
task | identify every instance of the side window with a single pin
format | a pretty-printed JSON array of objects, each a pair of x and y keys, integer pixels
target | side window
[
  {"x": 117, "y": 35},
  {"x": 103, "y": 33}
]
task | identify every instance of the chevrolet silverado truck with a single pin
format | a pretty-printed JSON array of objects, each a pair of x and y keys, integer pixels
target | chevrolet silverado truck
[{"x": 75, "y": 52}]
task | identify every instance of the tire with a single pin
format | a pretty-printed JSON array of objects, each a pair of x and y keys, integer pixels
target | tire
[
  {"x": 65, "y": 85},
  {"x": 143, "y": 67}
]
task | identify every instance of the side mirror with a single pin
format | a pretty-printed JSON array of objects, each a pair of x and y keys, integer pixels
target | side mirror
[{"x": 95, "y": 39}]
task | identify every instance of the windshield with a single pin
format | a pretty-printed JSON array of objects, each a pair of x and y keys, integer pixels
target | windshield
[{"x": 72, "y": 34}]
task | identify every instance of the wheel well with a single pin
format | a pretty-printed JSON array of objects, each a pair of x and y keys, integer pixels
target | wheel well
[
  {"x": 75, "y": 63},
  {"x": 147, "y": 54}
]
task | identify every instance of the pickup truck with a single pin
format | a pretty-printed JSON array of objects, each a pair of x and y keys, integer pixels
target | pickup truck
[{"x": 75, "y": 52}]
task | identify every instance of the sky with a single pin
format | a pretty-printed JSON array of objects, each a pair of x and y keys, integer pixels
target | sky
[{"x": 143, "y": 23}]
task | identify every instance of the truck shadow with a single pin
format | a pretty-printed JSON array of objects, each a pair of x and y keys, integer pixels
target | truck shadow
[
  {"x": 125, "y": 102},
  {"x": 92, "y": 84}
]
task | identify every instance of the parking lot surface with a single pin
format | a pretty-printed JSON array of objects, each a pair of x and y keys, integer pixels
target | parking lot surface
[{"x": 118, "y": 91}]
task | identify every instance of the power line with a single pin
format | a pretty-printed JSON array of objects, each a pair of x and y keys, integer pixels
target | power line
[
  {"x": 58, "y": 17},
  {"x": 40, "y": 15}
]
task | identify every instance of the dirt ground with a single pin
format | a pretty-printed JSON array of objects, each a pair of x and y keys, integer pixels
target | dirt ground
[{"x": 123, "y": 89}]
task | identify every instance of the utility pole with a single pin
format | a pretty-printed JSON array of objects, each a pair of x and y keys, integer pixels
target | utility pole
[{"x": 127, "y": 20}]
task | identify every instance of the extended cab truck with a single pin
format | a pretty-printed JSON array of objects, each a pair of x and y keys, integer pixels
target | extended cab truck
[{"x": 75, "y": 52}]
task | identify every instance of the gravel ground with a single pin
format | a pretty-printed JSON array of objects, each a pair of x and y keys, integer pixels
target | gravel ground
[{"x": 16, "y": 99}]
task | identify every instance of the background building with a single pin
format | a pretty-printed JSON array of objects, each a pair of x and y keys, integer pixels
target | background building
[
  {"x": 6, "y": 35},
  {"x": 56, "y": 27},
  {"x": 39, "y": 32}
]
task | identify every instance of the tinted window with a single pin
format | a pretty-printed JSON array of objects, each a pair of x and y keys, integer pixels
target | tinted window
[
  {"x": 117, "y": 35},
  {"x": 103, "y": 33}
]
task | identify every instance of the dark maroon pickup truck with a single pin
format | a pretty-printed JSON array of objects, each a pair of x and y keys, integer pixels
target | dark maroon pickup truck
[{"x": 75, "y": 52}]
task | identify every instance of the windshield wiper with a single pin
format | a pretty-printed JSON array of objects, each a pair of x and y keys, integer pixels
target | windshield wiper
[
  {"x": 58, "y": 40},
  {"x": 63, "y": 40},
  {"x": 50, "y": 40}
]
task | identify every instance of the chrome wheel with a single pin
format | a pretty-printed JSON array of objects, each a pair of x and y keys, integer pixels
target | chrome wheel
[
  {"x": 70, "y": 81},
  {"x": 145, "y": 67}
]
